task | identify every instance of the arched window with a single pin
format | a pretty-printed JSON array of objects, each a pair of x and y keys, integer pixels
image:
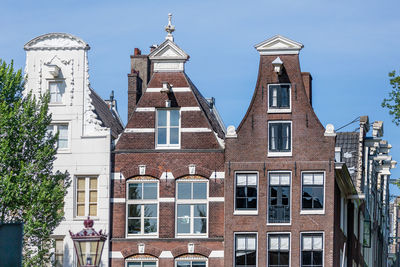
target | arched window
[
  {"x": 141, "y": 261},
  {"x": 191, "y": 260}
]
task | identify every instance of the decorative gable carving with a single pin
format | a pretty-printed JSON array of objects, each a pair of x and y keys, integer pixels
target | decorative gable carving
[
  {"x": 279, "y": 45},
  {"x": 168, "y": 57},
  {"x": 56, "y": 41}
]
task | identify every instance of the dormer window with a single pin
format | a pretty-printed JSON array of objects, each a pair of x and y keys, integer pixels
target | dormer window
[
  {"x": 168, "y": 128},
  {"x": 56, "y": 92},
  {"x": 279, "y": 98}
]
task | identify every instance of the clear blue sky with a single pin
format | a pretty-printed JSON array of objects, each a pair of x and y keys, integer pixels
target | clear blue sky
[{"x": 350, "y": 46}]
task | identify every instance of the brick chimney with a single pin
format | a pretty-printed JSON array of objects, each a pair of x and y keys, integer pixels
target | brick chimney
[
  {"x": 307, "y": 81},
  {"x": 137, "y": 79}
]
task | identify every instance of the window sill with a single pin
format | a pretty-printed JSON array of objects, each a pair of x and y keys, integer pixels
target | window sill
[
  {"x": 191, "y": 236},
  {"x": 141, "y": 236},
  {"x": 279, "y": 224},
  {"x": 279, "y": 154},
  {"x": 64, "y": 151},
  {"x": 94, "y": 218},
  {"x": 245, "y": 212},
  {"x": 279, "y": 110},
  {"x": 57, "y": 105},
  {"x": 168, "y": 147},
  {"x": 305, "y": 212}
]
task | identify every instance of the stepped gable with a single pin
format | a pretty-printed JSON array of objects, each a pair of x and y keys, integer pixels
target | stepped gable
[{"x": 107, "y": 116}]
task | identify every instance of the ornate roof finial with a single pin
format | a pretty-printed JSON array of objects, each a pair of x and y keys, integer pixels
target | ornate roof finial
[{"x": 170, "y": 29}]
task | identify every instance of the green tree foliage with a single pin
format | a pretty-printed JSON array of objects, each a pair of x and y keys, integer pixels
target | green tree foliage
[
  {"x": 29, "y": 189},
  {"x": 393, "y": 101}
]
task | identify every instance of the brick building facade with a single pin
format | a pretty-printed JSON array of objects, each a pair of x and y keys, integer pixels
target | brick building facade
[
  {"x": 168, "y": 187},
  {"x": 279, "y": 185}
]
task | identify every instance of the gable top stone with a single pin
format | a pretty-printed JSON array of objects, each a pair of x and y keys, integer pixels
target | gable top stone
[
  {"x": 56, "y": 41},
  {"x": 279, "y": 45},
  {"x": 168, "y": 57}
]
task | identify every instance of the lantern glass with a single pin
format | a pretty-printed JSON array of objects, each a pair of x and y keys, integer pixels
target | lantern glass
[{"x": 89, "y": 251}]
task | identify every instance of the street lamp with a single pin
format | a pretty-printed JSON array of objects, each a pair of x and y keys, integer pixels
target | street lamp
[{"x": 88, "y": 245}]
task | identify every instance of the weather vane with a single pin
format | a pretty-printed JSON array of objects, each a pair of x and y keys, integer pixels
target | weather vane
[{"x": 170, "y": 28}]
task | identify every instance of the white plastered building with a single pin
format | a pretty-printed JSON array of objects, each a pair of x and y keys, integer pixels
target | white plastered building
[{"x": 87, "y": 126}]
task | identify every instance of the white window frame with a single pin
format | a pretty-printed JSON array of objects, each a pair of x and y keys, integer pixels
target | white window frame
[
  {"x": 280, "y": 110},
  {"x": 234, "y": 245},
  {"x": 280, "y": 154},
  {"x": 142, "y": 202},
  {"x": 322, "y": 211},
  {"x": 323, "y": 245},
  {"x": 168, "y": 127},
  {"x": 192, "y": 259},
  {"x": 290, "y": 244},
  {"x": 141, "y": 260},
  {"x": 87, "y": 196},
  {"x": 291, "y": 196},
  {"x": 246, "y": 212},
  {"x": 57, "y": 81},
  {"x": 56, "y": 124},
  {"x": 191, "y": 202}
]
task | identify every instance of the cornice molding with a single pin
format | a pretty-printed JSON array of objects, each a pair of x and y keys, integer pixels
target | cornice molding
[{"x": 56, "y": 41}]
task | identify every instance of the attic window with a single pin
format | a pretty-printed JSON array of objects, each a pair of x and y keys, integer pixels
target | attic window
[
  {"x": 279, "y": 98},
  {"x": 168, "y": 128}
]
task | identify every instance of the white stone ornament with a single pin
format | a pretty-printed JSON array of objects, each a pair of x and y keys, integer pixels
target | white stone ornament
[
  {"x": 231, "y": 132},
  {"x": 192, "y": 169},
  {"x": 142, "y": 169},
  {"x": 54, "y": 70},
  {"x": 170, "y": 29},
  {"x": 277, "y": 63},
  {"x": 330, "y": 130},
  {"x": 190, "y": 248},
  {"x": 141, "y": 248}
]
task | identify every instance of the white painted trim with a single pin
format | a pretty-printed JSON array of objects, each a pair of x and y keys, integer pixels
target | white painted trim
[
  {"x": 216, "y": 199},
  {"x": 117, "y": 200},
  {"x": 291, "y": 195},
  {"x": 190, "y": 109},
  {"x": 139, "y": 130},
  {"x": 167, "y": 199},
  {"x": 148, "y": 109},
  {"x": 173, "y": 89},
  {"x": 281, "y": 154},
  {"x": 290, "y": 244},
  {"x": 195, "y": 130},
  {"x": 166, "y": 255},
  {"x": 115, "y": 255},
  {"x": 280, "y": 110},
  {"x": 216, "y": 254},
  {"x": 217, "y": 175},
  {"x": 321, "y": 211},
  {"x": 245, "y": 212},
  {"x": 117, "y": 176}
]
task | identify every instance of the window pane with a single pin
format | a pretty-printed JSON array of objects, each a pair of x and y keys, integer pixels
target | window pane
[
  {"x": 150, "y": 264},
  {"x": 134, "y": 210},
  {"x": 93, "y": 209},
  {"x": 183, "y": 264},
  {"x": 174, "y": 136},
  {"x": 149, "y": 191},
  {"x": 240, "y": 242},
  {"x": 93, "y": 183},
  {"x": 174, "y": 117},
  {"x": 274, "y": 179},
  {"x": 162, "y": 136},
  {"x": 183, "y": 210},
  {"x": 307, "y": 201},
  {"x": 251, "y": 191},
  {"x": 306, "y": 257},
  {"x": 307, "y": 243},
  {"x": 317, "y": 242},
  {"x": 135, "y": 191},
  {"x": 307, "y": 178},
  {"x": 184, "y": 190},
  {"x": 251, "y": 243},
  {"x": 284, "y": 243},
  {"x": 319, "y": 179},
  {"x": 252, "y": 179},
  {"x": 240, "y": 191},
  {"x": 273, "y": 258},
  {"x": 150, "y": 210},
  {"x": 200, "y": 210},
  {"x": 241, "y": 179},
  {"x": 199, "y": 190},
  {"x": 133, "y": 226},
  {"x": 184, "y": 225},
  {"x": 162, "y": 117},
  {"x": 273, "y": 243},
  {"x": 252, "y": 203},
  {"x": 317, "y": 258},
  {"x": 63, "y": 131},
  {"x": 62, "y": 143},
  {"x": 150, "y": 226},
  {"x": 285, "y": 179},
  {"x": 80, "y": 210},
  {"x": 284, "y": 259},
  {"x": 134, "y": 264},
  {"x": 284, "y": 96},
  {"x": 93, "y": 196},
  {"x": 241, "y": 203},
  {"x": 199, "y": 264},
  {"x": 200, "y": 226},
  {"x": 81, "y": 196}
]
